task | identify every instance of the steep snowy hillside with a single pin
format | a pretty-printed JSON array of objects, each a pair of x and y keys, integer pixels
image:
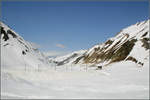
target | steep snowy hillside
[
  {"x": 131, "y": 43},
  {"x": 67, "y": 59},
  {"x": 16, "y": 52}
]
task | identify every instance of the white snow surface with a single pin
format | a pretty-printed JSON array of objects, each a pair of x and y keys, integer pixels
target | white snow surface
[
  {"x": 123, "y": 80},
  {"x": 141, "y": 54}
]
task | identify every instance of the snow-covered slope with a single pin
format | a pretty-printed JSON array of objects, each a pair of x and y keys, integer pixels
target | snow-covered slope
[
  {"x": 123, "y": 80},
  {"x": 16, "y": 52},
  {"x": 131, "y": 43},
  {"x": 67, "y": 59}
]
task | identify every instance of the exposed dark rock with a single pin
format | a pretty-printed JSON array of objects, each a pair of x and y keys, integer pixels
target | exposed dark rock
[
  {"x": 146, "y": 43},
  {"x": 66, "y": 60},
  {"x": 141, "y": 63},
  {"x": 6, "y": 44},
  {"x": 99, "y": 67},
  {"x": 109, "y": 42},
  {"x": 11, "y": 33},
  {"x": 114, "y": 54},
  {"x": 5, "y": 37},
  {"x": 123, "y": 52},
  {"x": 145, "y": 34},
  {"x": 23, "y": 44},
  {"x": 23, "y": 52},
  {"x": 138, "y": 23},
  {"x": 132, "y": 59},
  {"x": 26, "y": 50},
  {"x": 78, "y": 59}
]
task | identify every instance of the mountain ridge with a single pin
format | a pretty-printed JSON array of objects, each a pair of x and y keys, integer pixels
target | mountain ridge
[{"x": 121, "y": 47}]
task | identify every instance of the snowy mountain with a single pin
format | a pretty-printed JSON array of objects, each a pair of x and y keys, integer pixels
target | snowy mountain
[
  {"x": 16, "y": 52},
  {"x": 67, "y": 59},
  {"x": 131, "y": 43}
]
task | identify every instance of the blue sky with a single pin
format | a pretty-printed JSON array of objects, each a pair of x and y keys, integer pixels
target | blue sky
[{"x": 70, "y": 26}]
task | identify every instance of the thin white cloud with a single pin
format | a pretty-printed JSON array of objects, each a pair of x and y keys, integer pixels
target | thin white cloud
[
  {"x": 60, "y": 45},
  {"x": 55, "y": 53}
]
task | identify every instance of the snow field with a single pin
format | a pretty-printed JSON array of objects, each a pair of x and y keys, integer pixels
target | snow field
[{"x": 119, "y": 80}]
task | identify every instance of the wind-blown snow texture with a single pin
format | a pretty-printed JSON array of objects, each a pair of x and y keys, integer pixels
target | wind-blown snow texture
[{"x": 26, "y": 73}]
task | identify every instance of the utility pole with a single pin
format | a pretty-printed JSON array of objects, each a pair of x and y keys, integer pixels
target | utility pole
[
  {"x": 55, "y": 66},
  {"x": 25, "y": 67},
  {"x": 86, "y": 66},
  {"x": 71, "y": 66},
  {"x": 81, "y": 67},
  {"x": 66, "y": 68},
  {"x": 38, "y": 67}
]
